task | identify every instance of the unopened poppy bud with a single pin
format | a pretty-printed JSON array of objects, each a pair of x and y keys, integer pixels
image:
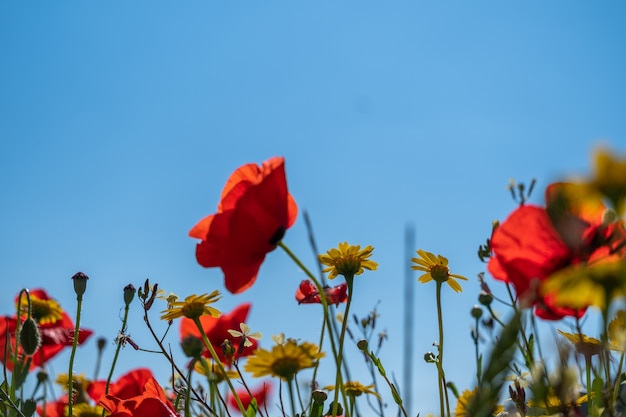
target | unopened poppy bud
[
  {"x": 485, "y": 298},
  {"x": 101, "y": 343},
  {"x": 362, "y": 344},
  {"x": 319, "y": 396},
  {"x": 30, "y": 337},
  {"x": 477, "y": 312},
  {"x": 430, "y": 357},
  {"x": 339, "y": 410},
  {"x": 80, "y": 283},
  {"x": 42, "y": 376},
  {"x": 192, "y": 346},
  {"x": 129, "y": 294}
]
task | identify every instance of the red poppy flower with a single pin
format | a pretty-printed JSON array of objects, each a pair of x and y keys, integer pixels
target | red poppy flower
[
  {"x": 307, "y": 293},
  {"x": 254, "y": 212},
  {"x": 54, "y": 336},
  {"x": 216, "y": 330},
  {"x": 129, "y": 385},
  {"x": 260, "y": 394},
  {"x": 152, "y": 402},
  {"x": 53, "y": 408},
  {"x": 534, "y": 242}
]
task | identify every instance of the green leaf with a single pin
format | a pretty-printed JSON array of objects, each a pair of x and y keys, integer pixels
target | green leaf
[{"x": 252, "y": 408}]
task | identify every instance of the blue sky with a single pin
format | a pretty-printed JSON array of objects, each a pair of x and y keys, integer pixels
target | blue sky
[{"x": 121, "y": 121}]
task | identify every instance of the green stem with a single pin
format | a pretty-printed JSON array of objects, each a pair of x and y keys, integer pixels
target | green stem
[
  {"x": 320, "y": 290},
  {"x": 291, "y": 397},
  {"x": 590, "y": 401},
  {"x": 218, "y": 362},
  {"x": 70, "y": 397},
  {"x": 342, "y": 336},
  {"x": 120, "y": 342},
  {"x": 440, "y": 356}
]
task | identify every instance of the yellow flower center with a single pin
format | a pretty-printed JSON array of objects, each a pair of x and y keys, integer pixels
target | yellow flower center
[
  {"x": 348, "y": 265},
  {"x": 286, "y": 367},
  {"x": 440, "y": 273}
]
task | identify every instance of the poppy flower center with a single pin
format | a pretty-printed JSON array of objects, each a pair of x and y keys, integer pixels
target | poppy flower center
[
  {"x": 278, "y": 235},
  {"x": 45, "y": 311}
]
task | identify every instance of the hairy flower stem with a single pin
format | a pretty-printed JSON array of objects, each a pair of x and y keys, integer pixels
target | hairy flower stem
[
  {"x": 443, "y": 398},
  {"x": 120, "y": 342},
  {"x": 217, "y": 360},
  {"x": 70, "y": 396}
]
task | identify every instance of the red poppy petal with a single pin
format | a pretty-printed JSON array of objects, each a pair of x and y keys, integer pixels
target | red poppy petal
[{"x": 241, "y": 277}]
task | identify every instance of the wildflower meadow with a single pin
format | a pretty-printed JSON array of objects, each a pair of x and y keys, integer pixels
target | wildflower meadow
[{"x": 562, "y": 262}]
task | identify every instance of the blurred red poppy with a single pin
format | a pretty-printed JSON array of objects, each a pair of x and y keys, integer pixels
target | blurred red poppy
[
  {"x": 152, "y": 402},
  {"x": 254, "y": 212},
  {"x": 129, "y": 385},
  {"x": 307, "y": 293},
  {"x": 534, "y": 242},
  {"x": 53, "y": 408},
  {"x": 216, "y": 330},
  {"x": 260, "y": 394},
  {"x": 54, "y": 336}
]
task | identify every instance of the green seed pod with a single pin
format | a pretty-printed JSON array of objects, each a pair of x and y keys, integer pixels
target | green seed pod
[{"x": 30, "y": 338}]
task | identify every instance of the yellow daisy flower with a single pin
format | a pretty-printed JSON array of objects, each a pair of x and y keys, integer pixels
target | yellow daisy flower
[
  {"x": 464, "y": 401},
  {"x": 617, "y": 331},
  {"x": 582, "y": 285},
  {"x": 42, "y": 311},
  {"x": 355, "y": 389},
  {"x": 436, "y": 269},
  {"x": 85, "y": 410},
  {"x": 609, "y": 177},
  {"x": 213, "y": 372},
  {"x": 284, "y": 360},
  {"x": 585, "y": 345},
  {"x": 347, "y": 260},
  {"x": 193, "y": 307}
]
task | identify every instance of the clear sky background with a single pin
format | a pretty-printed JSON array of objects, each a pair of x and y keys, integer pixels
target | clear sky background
[{"x": 121, "y": 121}]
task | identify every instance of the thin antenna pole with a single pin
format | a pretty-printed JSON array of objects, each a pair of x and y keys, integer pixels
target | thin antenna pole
[{"x": 409, "y": 352}]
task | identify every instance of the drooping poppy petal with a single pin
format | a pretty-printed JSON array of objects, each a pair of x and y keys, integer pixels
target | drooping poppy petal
[
  {"x": 129, "y": 385},
  {"x": 254, "y": 212},
  {"x": 152, "y": 402}
]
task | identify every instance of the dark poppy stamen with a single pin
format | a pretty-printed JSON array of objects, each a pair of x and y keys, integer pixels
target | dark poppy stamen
[{"x": 277, "y": 237}]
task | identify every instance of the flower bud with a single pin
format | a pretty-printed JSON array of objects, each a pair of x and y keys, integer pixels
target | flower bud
[
  {"x": 192, "y": 346},
  {"x": 477, "y": 312},
  {"x": 30, "y": 337},
  {"x": 485, "y": 298},
  {"x": 430, "y": 357},
  {"x": 42, "y": 376},
  {"x": 101, "y": 343},
  {"x": 362, "y": 345},
  {"x": 319, "y": 396},
  {"x": 129, "y": 294},
  {"x": 80, "y": 283}
]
